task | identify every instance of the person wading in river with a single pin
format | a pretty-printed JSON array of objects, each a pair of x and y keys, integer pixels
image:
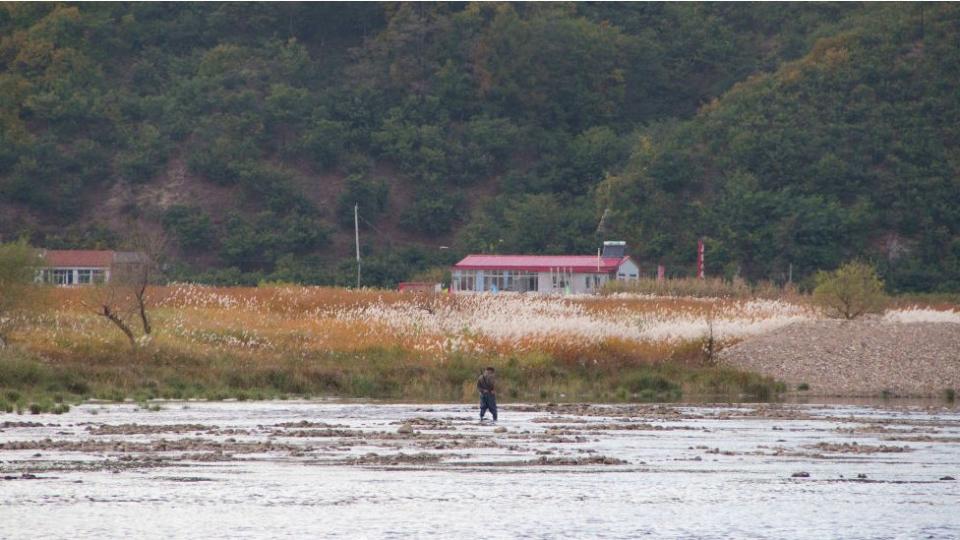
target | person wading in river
[{"x": 486, "y": 385}]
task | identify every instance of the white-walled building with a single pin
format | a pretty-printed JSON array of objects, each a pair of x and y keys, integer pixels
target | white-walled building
[
  {"x": 68, "y": 267},
  {"x": 574, "y": 274}
]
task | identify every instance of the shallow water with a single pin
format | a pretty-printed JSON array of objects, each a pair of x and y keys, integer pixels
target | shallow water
[{"x": 666, "y": 471}]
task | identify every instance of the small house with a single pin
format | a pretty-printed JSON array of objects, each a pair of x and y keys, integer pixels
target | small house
[
  {"x": 574, "y": 274},
  {"x": 419, "y": 287},
  {"x": 69, "y": 267}
]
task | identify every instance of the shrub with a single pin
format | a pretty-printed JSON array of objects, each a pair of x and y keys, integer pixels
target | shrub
[
  {"x": 261, "y": 241},
  {"x": 191, "y": 226},
  {"x": 222, "y": 157},
  {"x": 18, "y": 266},
  {"x": 432, "y": 213},
  {"x": 322, "y": 141},
  {"x": 852, "y": 290},
  {"x": 649, "y": 387},
  {"x": 700, "y": 288},
  {"x": 371, "y": 195},
  {"x": 146, "y": 156}
]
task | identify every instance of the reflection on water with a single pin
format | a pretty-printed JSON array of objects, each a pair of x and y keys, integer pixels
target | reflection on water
[{"x": 351, "y": 470}]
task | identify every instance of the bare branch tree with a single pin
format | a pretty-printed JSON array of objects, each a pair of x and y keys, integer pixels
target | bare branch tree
[
  {"x": 146, "y": 268},
  {"x": 113, "y": 301},
  {"x": 125, "y": 296},
  {"x": 120, "y": 323}
]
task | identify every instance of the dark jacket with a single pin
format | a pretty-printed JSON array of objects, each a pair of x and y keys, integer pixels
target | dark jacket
[{"x": 486, "y": 384}]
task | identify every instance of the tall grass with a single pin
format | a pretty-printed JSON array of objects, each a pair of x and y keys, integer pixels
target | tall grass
[
  {"x": 284, "y": 340},
  {"x": 702, "y": 288},
  {"x": 389, "y": 374}
]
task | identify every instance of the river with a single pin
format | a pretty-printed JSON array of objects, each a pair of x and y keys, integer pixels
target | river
[{"x": 296, "y": 469}]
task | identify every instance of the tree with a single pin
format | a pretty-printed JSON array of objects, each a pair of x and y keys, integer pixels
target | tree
[
  {"x": 372, "y": 196},
  {"x": 852, "y": 290},
  {"x": 125, "y": 297},
  {"x": 18, "y": 269},
  {"x": 191, "y": 227},
  {"x": 432, "y": 213}
]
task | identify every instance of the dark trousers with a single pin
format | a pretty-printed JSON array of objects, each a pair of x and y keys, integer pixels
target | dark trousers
[{"x": 488, "y": 401}]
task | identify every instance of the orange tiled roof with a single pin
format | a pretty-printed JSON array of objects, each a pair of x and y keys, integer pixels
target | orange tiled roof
[{"x": 89, "y": 258}]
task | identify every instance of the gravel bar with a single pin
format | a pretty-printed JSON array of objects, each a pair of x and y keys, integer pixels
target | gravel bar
[{"x": 865, "y": 357}]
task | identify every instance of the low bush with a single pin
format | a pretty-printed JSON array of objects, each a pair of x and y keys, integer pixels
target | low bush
[{"x": 852, "y": 290}]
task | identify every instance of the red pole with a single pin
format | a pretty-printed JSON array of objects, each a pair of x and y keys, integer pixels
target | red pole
[{"x": 700, "y": 272}]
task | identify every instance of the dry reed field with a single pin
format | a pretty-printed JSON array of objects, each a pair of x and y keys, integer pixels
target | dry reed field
[
  {"x": 274, "y": 341},
  {"x": 300, "y": 321}
]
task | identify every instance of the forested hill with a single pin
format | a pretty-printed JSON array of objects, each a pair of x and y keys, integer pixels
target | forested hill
[{"x": 786, "y": 134}]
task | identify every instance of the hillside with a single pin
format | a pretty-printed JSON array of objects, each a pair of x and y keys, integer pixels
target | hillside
[
  {"x": 850, "y": 151},
  {"x": 787, "y": 134}
]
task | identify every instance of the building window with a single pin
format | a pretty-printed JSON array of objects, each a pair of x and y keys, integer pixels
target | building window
[
  {"x": 83, "y": 277},
  {"x": 560, "y": 280},
  {"x": 62, "y": 277},
  {"x": 592, "y": 281},
  {"x": 525, "y": 282},
  {"x": 495, "y": 280},
  {"x": 464, "y": 281},
  {"x": 98, "y": 276}
]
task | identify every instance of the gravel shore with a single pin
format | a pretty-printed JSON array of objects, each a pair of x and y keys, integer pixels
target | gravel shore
[{"x": 856, "y": 358}]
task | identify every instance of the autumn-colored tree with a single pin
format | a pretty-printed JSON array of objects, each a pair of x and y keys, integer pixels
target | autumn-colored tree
[
  {"x": 850, "y": 291},
  {"x": 19, "y": 294}
]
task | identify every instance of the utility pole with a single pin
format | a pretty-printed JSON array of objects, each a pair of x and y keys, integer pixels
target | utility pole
[
  {"x": 356, "y": 235},
  {"x": 700, "y": 259}
]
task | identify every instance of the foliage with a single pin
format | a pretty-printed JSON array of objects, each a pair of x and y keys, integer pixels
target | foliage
[
  {"x": 792, "y": 136},
  {"x": 832, "y": 156},
  {"x": 146, "y": 157},
  {"x": 391, "y": 266},
  {"x": 190, "y": 226},
  {"x": 19, "y": 264},
  {"x": 433, "y": 213},
  {"x": 850, "y": 291},
  {"x": 699, "y": 288},
  {"x": 275, "y": 340},
  {"x": 532, "y": 223},
  {"x": 249, "y": 245},
  {"x": 371, "y": 195}
]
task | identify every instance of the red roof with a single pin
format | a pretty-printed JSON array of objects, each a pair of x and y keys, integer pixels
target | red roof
[
  {"x": 78, "y": 258},
  {"x": 541, "y": 263}
]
